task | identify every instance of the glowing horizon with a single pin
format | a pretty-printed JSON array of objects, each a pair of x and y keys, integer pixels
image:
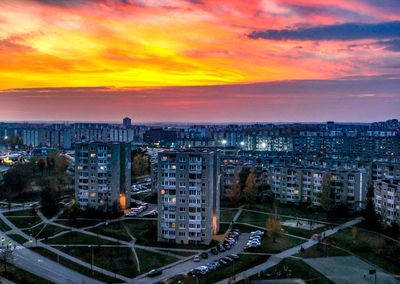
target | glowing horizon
[{"x": 136, "y": 44}]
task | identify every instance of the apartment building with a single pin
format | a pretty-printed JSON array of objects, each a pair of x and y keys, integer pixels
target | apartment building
[
  {"x": 102, "y": 175},
  {"x": 298, "y": 184},
  {"x": 387, "y": 200},
  {"x": 188, "y": 185}
]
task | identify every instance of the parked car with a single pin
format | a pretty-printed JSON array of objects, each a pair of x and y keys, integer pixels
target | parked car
[
  {"x": 233, "y": 256},
  {"x": 222, "y": 261},
  {"x": 154, "y": 272},
  {"x": 204, "y": 255},
  {"x": 214, "y": 251},
  {"x": 196, "y": 258},
  {"x": 221, "y": 248}
]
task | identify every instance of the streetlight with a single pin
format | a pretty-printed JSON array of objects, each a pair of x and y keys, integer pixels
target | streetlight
[
  {"x": 242, "y": 143},
  {"x": 91, "y": 264},
  {"x": 223, "y": 142}
]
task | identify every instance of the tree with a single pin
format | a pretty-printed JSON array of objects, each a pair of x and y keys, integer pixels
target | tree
[
  {"x": 372, "y": 220},
  {"x": 49, "y": 196},
  {"x": 243, "y": 174},
  {"x": 274, "y": 227},
  {"x": 140, "y": 165},
  {"x": 233, "y": 193},
  {"x": 250, "y": 189},
  {"x": 326, "y": 195}
]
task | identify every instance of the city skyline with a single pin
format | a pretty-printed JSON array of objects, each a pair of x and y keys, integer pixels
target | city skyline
[{"x": 200, "y": 61}]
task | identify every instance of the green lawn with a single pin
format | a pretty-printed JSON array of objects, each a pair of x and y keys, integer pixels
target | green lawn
[
  {"x": 44, "y": 231},
  {"x": 28, "y": 212},
  {"x": 245, "y": 262},
  {"x": 253, "y": 218},
  {"x": 374, "y": 248},
  {"x": 24, "y": 222},
  {"x": 18, "y": 238},
  {"x": 227, "y": 214},
  {"x": 74, "y": 266},
  {"x": 79, "y": 239},
  {"x": 301, "y": 232},
  {"x": 322, "y": 250},
  {"x": 282, "y": 243},
  {"x": 3, "y": 226},
  {"x": 222, "y": 228},
  {"x": 149, "y": 260},
  {"x": 294, "y": 211},
  {"x": 18, "y": 275},
  {"x": 78, "y": 223},
  {"x": 293, "y": 268}
]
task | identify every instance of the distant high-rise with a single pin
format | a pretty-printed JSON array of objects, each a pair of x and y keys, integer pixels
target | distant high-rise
[
  {"x": 188, "y": 196},
  {"x": 127, "y": 122},
  {"x": 102, "y": 175}
]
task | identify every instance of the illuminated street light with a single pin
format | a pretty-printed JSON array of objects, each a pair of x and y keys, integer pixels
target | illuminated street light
[
  {"x": 224, "y": 142},
  {"x": 263, "y": 145},
  {"x": 242, "y": 143}
]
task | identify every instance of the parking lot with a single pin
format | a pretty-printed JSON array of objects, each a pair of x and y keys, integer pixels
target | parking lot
[{"x": 187, "y": 265}]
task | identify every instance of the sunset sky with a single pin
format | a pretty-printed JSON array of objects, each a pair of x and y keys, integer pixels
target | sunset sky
[{"x": 200, "y": 60}]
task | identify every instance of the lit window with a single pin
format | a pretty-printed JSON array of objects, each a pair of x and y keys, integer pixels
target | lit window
[{"x": 92, "y": 155}]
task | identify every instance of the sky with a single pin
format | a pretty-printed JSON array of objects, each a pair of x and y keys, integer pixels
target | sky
[{"x": 200, "y": 60}]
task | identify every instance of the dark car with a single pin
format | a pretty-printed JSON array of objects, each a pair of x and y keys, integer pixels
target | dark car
[
  {"x": 204, "y": 255},
  {"x": 214, "y": 251},
  {"x": 221, "y": 248},
  {"x": 228, "y": 259},
  {"x": 154, "y": 272},
  {"x": 227, "y": 246}
]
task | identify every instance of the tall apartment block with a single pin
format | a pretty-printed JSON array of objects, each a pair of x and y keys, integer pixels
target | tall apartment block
[
  {"x": 387, "y": 200},
  {"x": 297, "y": 184},
  {"x": 188, "y": 183},
  {"x": 102, "y": 175}
]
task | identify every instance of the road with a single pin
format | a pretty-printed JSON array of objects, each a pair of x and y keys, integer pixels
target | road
[
  {"x": 276, "y": 258},
  {"x": 47, "y": 269},
  {"x": 185, "y": 266}
]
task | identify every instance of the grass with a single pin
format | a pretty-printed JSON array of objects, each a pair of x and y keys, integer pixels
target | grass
[
  {"x": 282, "y": 243},
  {"x": 75, "y": 238},
  {"x": 293, "y": 268},
  {"x": 149, "y": 260},
  {"x": 253, "y": 218},
  {"x": 24, "y": 213},
  {"x": 372, "y": 247},
  {"x": 18, "y": 238},
  {"x": 24, "y": 222},
  {"x": 18, "y": 275},
  {"x": 245, "y": 262},
  {"x": 44, "y": 231},
  {"x": 295, "y": 211},
  {"x": 302, "y": 232},
  {"x": 227, "y": 214},
  {"x": 322, "y": 250},
  {"x": 74, "y": 266},
  {"x": 222, "y": 228},
  {"x": 78, "y": 223},
  {"x": 3, "y": 226},
  {"x": 181, "y": 253}
]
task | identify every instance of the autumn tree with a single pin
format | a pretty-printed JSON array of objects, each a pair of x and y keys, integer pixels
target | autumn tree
[
  {"x": 250, "y": 189},
  {"x": 274, "y": 227},
  {"x": 233, "y": 193},
  {"x": 140, "y": 165}
]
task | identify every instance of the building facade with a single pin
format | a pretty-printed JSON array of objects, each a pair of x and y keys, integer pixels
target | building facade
[
  {"x": 188, "y": 185},
  {"x": 102, "y": 176},
  {"x": 387, "y": 200}
]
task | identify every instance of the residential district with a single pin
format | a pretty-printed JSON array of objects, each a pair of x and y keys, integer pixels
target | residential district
[{"x": 175, "y": 203}]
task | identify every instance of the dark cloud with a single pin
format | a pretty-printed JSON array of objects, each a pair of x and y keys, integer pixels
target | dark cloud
[
  {"x": 391, "y": 45},
  {"x": 347, "y": 31}
]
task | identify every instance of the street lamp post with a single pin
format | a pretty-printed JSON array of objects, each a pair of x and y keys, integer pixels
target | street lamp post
[{"x": 91, "y": 264}]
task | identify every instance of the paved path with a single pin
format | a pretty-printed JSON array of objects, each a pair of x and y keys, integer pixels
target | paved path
[
  {"x": 276, "y": 258},
  {"x": 349, "y": 270},
  {"x": 189, "y": 264}
]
